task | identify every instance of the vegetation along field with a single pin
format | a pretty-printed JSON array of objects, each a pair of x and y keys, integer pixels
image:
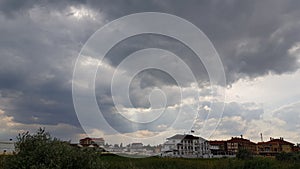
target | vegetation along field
[
  {"x": 41, "y": 151},
  {"x": 117, "y": 162}
]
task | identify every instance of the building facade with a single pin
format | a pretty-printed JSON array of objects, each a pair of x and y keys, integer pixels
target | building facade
[
  {"x": 137, "y": 148},
  {"x": 296, "y": 148},
  {"x": 98, "y": 142},
  {"x": 187, "y": 146},
  {"x": 239, "y": 143},
  {"x": 218, "y": 148},
  {"x": 274, "y": 146}
]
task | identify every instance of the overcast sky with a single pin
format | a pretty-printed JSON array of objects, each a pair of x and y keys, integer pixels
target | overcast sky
[{"x": 258, "y": 43}]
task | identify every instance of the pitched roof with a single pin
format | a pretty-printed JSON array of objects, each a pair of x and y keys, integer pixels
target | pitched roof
[
  {"x": 89, "y": 138},
  {"x": 217, "y": 142},
  {"x": 183, "y": 136},
  {"x": 240, "y": 140},
  {"x": 280, "y": 141}
]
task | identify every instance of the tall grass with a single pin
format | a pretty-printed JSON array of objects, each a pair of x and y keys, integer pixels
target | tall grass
[
  {"x": 2, "y": 162},
  {"x": 113, "y": 162},
  {"x": 117, "y": 162}
]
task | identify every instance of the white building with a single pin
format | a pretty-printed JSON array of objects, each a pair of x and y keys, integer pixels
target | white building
[
  {"x": 137, "y": 148},
  {"x": 187, "y": 146},
  {"x": 7, "y": 147}
]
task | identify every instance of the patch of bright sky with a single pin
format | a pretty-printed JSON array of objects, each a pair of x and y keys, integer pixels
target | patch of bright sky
[
  {"x": 80, "y": 12},
  {"x": 273, "y": 91}
]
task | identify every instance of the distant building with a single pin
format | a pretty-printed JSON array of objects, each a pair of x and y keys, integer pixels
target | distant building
[
  {"x": 7, "y": 147},
  {"x": 97, "y": 142},
  {"x": 296, "y": 148},
  {"x": 186, "y": 145},
  {"x": 136, "y": 148},
  {"x": 218, "y": 148},
  {"x": 274, "y": 146},
  {"x": 157, "y": 149},
  {"x": 239, "y": 143}
]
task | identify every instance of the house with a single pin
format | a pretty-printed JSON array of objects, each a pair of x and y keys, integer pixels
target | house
[
  {"x": 187, "y": 146},
  {"x": 157, "y": 149},
  {"x": 136, "y": 148},
  {"x": 239, "y": 143},
  {"x": 274, "y": 146},
  {"x": 95, "y": 142},
  {"x": 218, "y": 148},
  {"x": 7, "y": 148},
  {"x": 296, "y": 148}
]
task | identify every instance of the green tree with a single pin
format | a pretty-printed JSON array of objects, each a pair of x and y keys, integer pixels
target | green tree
[
  {"x": 41, "y": 151},
  {"x": 291, "y": 157},
  {"x": 244, "y": 154}
]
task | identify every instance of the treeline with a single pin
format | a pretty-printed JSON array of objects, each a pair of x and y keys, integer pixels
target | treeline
[
  {"x": 41, "y": 151},
  {"x": 289, "y": 157},
  {"x": 116, "y": 162}
]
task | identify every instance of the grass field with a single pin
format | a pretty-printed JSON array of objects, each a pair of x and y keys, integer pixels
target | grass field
[{"x": 117, "y": 162}]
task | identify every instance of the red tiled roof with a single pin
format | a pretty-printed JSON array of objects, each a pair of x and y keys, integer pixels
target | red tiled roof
[
  {"x": 88, "y": 138},
  {"x": 237, "y": 139},
  {"x": 279, "y": 141},
  {"x": 217, "y": 142}
]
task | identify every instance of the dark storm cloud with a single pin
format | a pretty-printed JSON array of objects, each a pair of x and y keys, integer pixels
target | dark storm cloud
[
  {"x": 126, "y": 47},
  {"x": 246, "y": 33},
  {"x": 252, "y": 37},
  {"x": 38, "y": 51},
  {"x": 12, "y": 8}
]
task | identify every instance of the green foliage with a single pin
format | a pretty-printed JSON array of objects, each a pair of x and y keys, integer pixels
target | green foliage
[
  {"x": 244, "y": 154},
  {"x": 116, "y": 162},
  {"x": 1, "y": 161},
  {"x": 41, "y": 151},
  {"x": 291, "y": 157},
  {"x": 283, "y": 156}
]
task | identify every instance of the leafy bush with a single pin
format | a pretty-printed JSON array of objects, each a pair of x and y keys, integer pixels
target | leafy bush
[
  {"x": 244, "y": 154},
  {"x": 1, "y": 161},
  {"x": 291, "y": 157},
  {"x": 41, "y": 151},
  {"x": 116, "y": 162}
]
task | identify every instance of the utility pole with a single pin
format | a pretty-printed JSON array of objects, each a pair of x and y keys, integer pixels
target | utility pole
[{"x": 261, "y": 137}]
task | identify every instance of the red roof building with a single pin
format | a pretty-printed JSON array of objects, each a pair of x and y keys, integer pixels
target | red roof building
[
  {"x": 274, "y": 146},
  {"x": 218, "y": 147},
  {"x": 91, "y": 141},
  {"x": 237, "y": 143}
]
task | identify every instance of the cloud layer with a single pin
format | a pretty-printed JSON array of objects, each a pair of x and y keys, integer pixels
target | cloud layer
[{"x": 40, "y": 41}]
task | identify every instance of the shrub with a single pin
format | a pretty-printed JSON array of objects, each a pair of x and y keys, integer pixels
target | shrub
[
  {"x": 244, "y": 154},
  {"x": 42, "y": 151},
  {"x": 291, "y": 157}
]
